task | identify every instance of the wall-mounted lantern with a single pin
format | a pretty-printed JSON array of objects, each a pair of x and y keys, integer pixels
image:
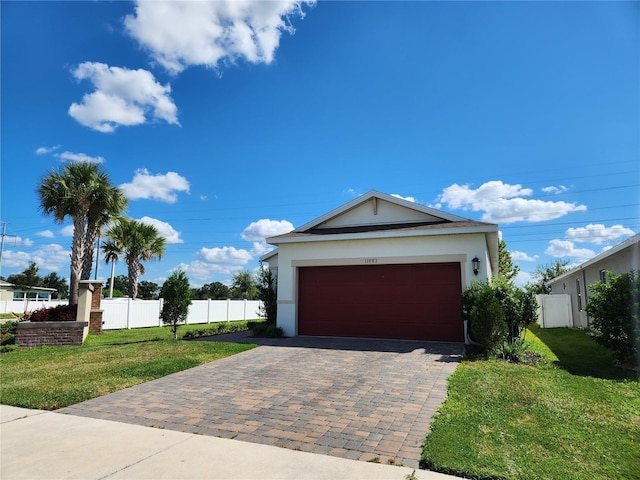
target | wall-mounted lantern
[{"x": 475, "y": 263}]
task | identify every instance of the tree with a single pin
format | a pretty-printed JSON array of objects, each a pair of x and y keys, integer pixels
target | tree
[
  {"x": 136, "y": 242},
  {"x": 148, "y": 290},
  {"x": 244, "y": 286},
  {"x": 60, "y": 284},
  {"x": 507, "y": 269},
  {"x": 27, "y": 279},
  {"x": 213, "y": 291},
  {"x": 119, "y": 286},
  {"x": 177, "y": 297},
  {"x": 267, "y": 293},
  {"x": 614, "y": 308},
  {"x": 545, "y": 273},
  {"x": 83, "y": 193}
]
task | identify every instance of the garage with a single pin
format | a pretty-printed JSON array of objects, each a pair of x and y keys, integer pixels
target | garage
[
  {"x": 409, "y": 302},
  {"x": 380, "y": 266}
]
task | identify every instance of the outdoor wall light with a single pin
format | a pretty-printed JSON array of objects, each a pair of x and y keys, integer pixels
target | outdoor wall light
[{"x": 475, "y": 263}]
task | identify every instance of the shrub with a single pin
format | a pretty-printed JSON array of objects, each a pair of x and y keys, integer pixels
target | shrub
[
  {"x": 497, "y": 313},
  {"x": 267, "y": 293},
  {"x": 267, "y": 331},
  {"x": 7, "y": 335},
  {"x": 614, "y": 308},
  {"x": 61, "y": 313}
]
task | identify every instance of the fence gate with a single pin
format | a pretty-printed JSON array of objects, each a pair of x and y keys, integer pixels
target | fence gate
[{"x": 554, "y": 311}]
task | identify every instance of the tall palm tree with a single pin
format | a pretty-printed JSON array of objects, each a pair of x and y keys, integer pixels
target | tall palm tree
[
  {"x": 135, "y": 242},
  {"x": 111, "y": 253},
  {"x": 81, "y": 191}
]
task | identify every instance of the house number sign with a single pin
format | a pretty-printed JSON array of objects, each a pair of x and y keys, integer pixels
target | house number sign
[{"x": 370, "y": 260}]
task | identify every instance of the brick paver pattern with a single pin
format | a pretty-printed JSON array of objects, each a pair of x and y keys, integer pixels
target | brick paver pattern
[{"x": 357, "y": 399}]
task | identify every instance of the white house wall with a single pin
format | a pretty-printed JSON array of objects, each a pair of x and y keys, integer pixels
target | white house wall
[
  {"x": 432, "y": 249},
  {"x": 619, "y": 262}
]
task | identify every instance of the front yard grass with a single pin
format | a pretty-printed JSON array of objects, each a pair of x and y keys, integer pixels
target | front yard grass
[
  {"x": 570, "y": 416},
  {"x": 49, "y": 378}
]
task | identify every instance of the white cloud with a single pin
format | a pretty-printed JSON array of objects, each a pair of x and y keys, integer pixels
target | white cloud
[
  {"x": 256, "y": 232},
  {"x": 522, "y": 278},
  {"x": 51, "y": 257},
  {"x": 556, "y": 190},
  {"x": 46, "y": 150},
  {"x": 503, "y": 203},
  {"x": 220, "y": 260},
  {"x": 122, "y": 97},
  {"x": 78, "y": 157},
  {"x": 19, "y": 241},
  {"x": 264, "y": 228},
  {"x": 179, "y": 34},
  {"x": 522, "y": 256},
  {"x": 408, "y": 199},
  {"x": 597, "y": 233},
  {"x": 46, "y": 234},
  {"x": 565, "y": 248},
  {"x": 11, "y": 259},
  {"x": 67, "y": 231},
  {"x": 158, "y": 187},
  {"x": 165, "y": 230}
]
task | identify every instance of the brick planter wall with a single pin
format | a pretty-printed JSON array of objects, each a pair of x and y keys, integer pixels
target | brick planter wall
[{"x": 55, "y": 334}]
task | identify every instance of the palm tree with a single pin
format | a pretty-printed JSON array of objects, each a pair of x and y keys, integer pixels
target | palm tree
[
  {"x": 111, "y": 254},
  {"x": 135, "y": 242},
  {"x": 82, "y": 192}
]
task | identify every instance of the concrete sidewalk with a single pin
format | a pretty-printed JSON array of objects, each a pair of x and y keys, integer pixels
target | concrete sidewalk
[{"x": 36, "y": 444}]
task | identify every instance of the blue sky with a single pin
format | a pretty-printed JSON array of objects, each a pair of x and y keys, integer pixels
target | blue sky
[{"x": 225, "y": 122}]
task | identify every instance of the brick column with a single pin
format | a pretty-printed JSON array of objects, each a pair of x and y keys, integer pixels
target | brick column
[{"x": 95, "y": 317}]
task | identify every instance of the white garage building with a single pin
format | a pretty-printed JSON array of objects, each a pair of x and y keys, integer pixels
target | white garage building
[{"x": 380, "y": 267}]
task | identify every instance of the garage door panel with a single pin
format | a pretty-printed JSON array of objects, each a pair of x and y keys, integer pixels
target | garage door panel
[{"x": 419, "y": 302}]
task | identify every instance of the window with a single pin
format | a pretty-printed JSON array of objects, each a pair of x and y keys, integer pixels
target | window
[{"x": 579, "y": 294}]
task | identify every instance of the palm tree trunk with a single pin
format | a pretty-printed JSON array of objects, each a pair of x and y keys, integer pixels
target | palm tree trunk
[
  {"x": 77, "y": 255},
  {"x": 134, "y": 272},
  {"x": 87, "y": 260}
]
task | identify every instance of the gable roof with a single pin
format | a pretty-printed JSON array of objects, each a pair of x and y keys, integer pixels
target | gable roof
[
  {"x": 632, "y": 242},
  {"x": 376, "y": 214}
]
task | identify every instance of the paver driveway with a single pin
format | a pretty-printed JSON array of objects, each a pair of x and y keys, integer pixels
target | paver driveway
[{"x": 351, "y": 398}]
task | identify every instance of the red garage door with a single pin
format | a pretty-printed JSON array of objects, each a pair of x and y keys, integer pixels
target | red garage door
[{"x": 413, "y": 302}]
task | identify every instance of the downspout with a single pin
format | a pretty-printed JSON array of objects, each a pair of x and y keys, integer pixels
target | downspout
[{"x": 586, "y": 296}]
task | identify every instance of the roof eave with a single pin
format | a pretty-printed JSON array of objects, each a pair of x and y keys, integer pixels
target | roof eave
[{"x": 486, "y": 228}]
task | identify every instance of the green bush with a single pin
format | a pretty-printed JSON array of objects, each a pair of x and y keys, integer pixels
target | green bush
[
  {"x": 614, "y": 309},
  {"x": 267, "y": 331},
  {"x": 8, "y": 336},
  {"x": 497, "y": 314}
]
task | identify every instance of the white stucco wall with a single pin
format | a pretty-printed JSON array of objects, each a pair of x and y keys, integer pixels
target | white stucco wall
[{"x": 417, "y": 249}]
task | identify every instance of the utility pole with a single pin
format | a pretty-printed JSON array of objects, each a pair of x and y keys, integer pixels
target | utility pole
[{"x": 4, "y": 232}]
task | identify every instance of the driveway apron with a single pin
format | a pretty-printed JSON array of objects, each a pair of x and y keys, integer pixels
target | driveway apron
[{"x": 370, "y": 400}]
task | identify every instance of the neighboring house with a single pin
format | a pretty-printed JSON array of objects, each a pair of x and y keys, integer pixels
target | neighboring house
[
  {"x": 622, "y": 258},
  {"x": 8, "y": 291},
  {"x": 380, "y": 267}
]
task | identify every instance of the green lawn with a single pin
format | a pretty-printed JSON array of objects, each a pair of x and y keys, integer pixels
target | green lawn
[
  {"x": 54, "y": 377},
  {"x": 572, "y": 416}
]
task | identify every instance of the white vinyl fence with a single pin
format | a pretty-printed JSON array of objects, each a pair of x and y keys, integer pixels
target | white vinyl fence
[
  {"x": 554, "y": 311},
  {"x": 121, "y": 313}
]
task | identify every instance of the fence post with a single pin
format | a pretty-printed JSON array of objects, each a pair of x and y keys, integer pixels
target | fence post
[
  {"x": 128, "y": 311},
  {"x": 228, "y": 307},
  {"x": 160, "y": 305},
  {"x": 208, "y": 310},
  {"x": 244, "y": 314}
]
